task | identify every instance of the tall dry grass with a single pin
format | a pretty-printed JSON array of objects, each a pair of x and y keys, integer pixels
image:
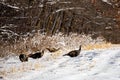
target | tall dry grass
[{"x": 40, "y": 42}]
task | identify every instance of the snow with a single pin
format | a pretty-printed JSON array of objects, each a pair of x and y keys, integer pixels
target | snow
[
  {"x": 71, "y": 8},
  {"x": 11, "y": 6},
  {"x": 107, "y": 1},
  {"x": 89, "y": 65}
]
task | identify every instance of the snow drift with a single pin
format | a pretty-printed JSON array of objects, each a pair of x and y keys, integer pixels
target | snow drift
[{"x": 89, "y": 65}]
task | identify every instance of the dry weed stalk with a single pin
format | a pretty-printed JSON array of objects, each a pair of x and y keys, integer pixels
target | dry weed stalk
[{"x": 40, "y": 42}]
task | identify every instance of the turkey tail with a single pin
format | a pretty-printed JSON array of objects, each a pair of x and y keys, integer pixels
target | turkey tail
[{"x": 65, "y": 55}]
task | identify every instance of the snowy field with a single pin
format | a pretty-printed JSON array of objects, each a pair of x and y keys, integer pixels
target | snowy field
[{"x": 89, "y": 65}]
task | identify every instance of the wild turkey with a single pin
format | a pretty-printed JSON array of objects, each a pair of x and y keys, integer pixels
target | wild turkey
[
  {"x": 23, "y": 57},
  {"x": 74, "y": 53},
  {"x": 36, "y": 55},
  {"x": 52, "y": 49}
]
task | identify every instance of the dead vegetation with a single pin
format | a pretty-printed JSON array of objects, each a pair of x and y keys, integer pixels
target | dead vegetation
[{"x": 39, "y": 42}]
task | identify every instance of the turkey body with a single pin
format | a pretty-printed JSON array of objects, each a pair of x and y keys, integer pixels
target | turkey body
[
  {"x": 36, "y": 55},
  {"x": 74, "y": 53}
]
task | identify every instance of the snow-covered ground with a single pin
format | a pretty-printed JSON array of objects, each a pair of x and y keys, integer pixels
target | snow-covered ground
[{"x": 89, "y": 65}]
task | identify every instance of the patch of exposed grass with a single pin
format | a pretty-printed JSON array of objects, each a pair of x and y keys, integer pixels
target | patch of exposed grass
[
  {"x": 23, "y": 67},
  {"x": 97, "y": 46}
]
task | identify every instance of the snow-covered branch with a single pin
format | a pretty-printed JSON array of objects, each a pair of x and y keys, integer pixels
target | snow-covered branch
[
  {"x": 70, "y": 8},
  {"x": 14, "y": 7}
]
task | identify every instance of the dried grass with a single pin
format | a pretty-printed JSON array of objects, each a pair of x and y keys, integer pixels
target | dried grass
[
  {"x": 97, "y": 46},
  {"x": 40, "y": 42},
  {"x": 23, "y": 67}
]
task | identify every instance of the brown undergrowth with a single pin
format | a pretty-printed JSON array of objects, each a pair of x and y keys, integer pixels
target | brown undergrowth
[{"x": 40, "y": 42}]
